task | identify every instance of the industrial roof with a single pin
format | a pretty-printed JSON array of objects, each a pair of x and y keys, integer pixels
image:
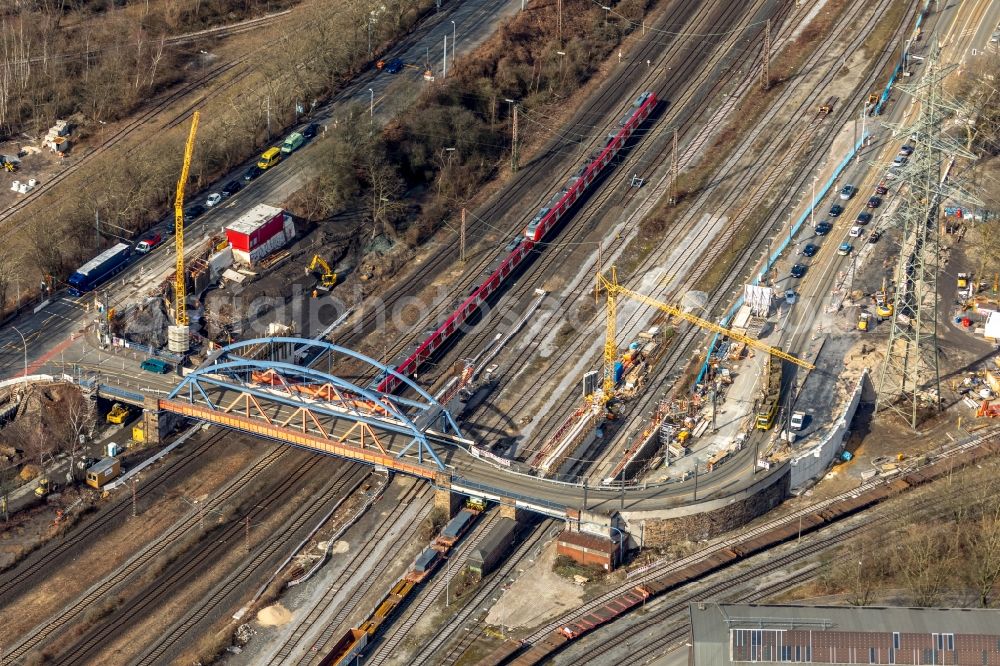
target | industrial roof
[
  {"x": 711, "y": 624},
  {"x": 589, "y": 541},
  {"x": 249, "y": 221},
  {"x": 854, "y": 618}
]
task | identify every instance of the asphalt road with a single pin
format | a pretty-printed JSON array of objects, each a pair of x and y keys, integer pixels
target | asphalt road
[{"x": 46, "y": 345}]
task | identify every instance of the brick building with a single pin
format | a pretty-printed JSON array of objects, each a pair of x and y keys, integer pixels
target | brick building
[{"x": 729, "y": 634}]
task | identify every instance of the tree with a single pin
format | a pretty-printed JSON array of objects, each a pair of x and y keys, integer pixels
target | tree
[
  {"x": 70, "y": 422},
  {"x": 919, "y": 561}
]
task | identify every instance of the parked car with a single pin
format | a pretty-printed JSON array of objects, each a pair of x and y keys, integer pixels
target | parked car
[
  {"x": 881, "y": 190},
  {"x": 892, "y": 173},
  {"x": 810, "y": 250},
  {"x": 823, "y": 228},
  {"x": 252, "y": 173},
  {"x": 231, "y": 188},
  {"x": 864, "y": 218},
  {"x": 900, "y": 160},
  {"x": 855, "y": 232},
  {"x": 394, "y": 66},
  {"x": 798, "y": 270},
  {"x": 906, "y": 151},
  {"x": 790, "y": 296},
  {"x": 845, "y": 249},
  {"x": 874, "y": 236},
  {"x": 193, "y": 212},
  {"x": 836, "y": 210},
  {"x": 874, "y": 202},
  {"x": 213, "y": 199},
  {"x": 155, "y": 365},
  {"x": 848, "y": 192},
  {"x": 148, "y": 243},
  {"x": 310, "y": 130}
]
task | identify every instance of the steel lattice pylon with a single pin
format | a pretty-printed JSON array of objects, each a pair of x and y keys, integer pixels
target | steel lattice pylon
[{"x": 910, "y": 375}]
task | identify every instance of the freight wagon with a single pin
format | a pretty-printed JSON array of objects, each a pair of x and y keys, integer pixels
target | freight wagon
[{"x": 494, "y": 547}]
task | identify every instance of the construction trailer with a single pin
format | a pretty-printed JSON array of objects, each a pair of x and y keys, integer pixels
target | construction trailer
[
  {"x": 259, "y": 232},
  {"x": 102, "y": 472}
]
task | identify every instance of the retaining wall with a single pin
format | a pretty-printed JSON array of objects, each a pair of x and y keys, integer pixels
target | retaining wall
[{"x": 810, "y": 465}]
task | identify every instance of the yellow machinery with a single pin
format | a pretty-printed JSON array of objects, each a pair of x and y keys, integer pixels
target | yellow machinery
[
  {"x": 45, "y": 487},
  {"x": 327, "y": 278},
  {"x": 864, "y": 321},
  {"x": 118, "y": 413},
  {"x": 614, "y": 289},
  {"x": 180, "y": 288}
]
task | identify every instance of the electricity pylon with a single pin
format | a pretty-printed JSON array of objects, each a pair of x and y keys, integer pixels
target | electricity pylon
[{"x": 910, "y": 374}]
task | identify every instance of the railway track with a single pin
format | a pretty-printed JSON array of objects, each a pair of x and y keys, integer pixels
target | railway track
[
  {"x": 484, "y": 224},
  {"x": 449, "y": 654},
  {"x": 881, "y": 518},
  {"x": 190, "y": 564},
  {"x": 742, "y": 198},
  {"x": 596, "y": 206},
  {"x": 945, "y": 457},
  {"x": 391, "y": 639},
  {"x": 687, "y": 107},
  {"x": 346, "y": 583},
  {"x": 130, "y": 128},
  {"x": 743, "y": 267},
  {"x": 340, "y": 487},
  {"x": 130, "y": 568}
]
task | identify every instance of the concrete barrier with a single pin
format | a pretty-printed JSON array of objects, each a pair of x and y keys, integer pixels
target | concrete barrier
[{"x": 810, "y": 465}]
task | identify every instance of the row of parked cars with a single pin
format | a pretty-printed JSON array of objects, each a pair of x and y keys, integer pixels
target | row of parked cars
[{"x": 268, "y": 159}]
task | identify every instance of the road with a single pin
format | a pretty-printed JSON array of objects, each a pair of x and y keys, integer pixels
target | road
[
  {"x": 46, "y": 333},
  {"x": 48, "y": 343}
]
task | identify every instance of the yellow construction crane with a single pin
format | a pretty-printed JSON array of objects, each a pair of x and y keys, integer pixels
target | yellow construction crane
[
  {"x": 327, "y": 278},
  {"x": 613, "y": 289},
  {"x": 180, "y": 289}
]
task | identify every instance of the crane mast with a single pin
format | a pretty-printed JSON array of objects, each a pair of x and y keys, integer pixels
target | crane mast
[
  {"x": 180, "y": 288},
  {"x": 178, "y": 336}
]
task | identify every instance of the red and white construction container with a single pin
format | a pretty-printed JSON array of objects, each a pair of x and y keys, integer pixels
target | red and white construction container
[{"x": 259, "y": 232}]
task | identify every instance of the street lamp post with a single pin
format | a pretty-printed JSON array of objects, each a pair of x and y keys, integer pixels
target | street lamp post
[
  {"x": 454, "y": 44},
  {"x": 371, "y": 108},
  {"x": 25, "y": 343},
  {"x": 562, "y": 59},
  {"x": 607, "y": 10},
  {"x": 864, "y": 117}
]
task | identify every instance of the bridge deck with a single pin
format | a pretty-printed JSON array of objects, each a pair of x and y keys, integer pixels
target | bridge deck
[{"x": 331, "y": 446}]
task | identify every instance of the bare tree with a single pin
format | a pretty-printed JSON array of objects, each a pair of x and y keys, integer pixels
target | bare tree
[{"x": 919, "y": 561}]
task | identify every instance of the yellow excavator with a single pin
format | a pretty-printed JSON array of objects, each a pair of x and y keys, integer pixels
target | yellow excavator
[{"x": 327, "y": 278}]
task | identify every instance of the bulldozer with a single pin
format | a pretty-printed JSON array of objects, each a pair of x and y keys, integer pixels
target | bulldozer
[
  {"x": 327, "y": 278},
  {"x": 45, "y": 487}
]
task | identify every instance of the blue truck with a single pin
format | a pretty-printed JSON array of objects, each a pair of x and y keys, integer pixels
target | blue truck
[{"x": 99, "y": 268}]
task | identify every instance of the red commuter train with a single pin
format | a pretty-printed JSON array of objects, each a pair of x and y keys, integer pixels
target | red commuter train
[{"x": 519, "y": 248}]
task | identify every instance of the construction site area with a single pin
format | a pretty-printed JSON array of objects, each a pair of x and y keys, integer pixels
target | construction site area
[{"x": 472, "y": 356}]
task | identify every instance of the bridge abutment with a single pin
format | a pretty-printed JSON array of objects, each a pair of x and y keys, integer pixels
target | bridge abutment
[
  {"x": 444, "y": 499},
  {"x": 151, "y": 420}
]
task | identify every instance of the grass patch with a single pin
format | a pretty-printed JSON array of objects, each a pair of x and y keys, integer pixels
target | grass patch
[{"x": 567, "y": 567}]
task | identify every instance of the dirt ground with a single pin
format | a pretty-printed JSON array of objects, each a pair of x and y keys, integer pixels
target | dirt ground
[
  {"x": 99, "y": 557},
  {"x": 536, "y": 596}
]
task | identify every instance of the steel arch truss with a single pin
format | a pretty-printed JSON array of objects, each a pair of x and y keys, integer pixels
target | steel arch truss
[{"x": 251, "y": 378}]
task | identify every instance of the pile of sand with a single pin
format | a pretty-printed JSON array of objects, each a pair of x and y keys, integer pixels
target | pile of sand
[{"x": 274, "y": 616}]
